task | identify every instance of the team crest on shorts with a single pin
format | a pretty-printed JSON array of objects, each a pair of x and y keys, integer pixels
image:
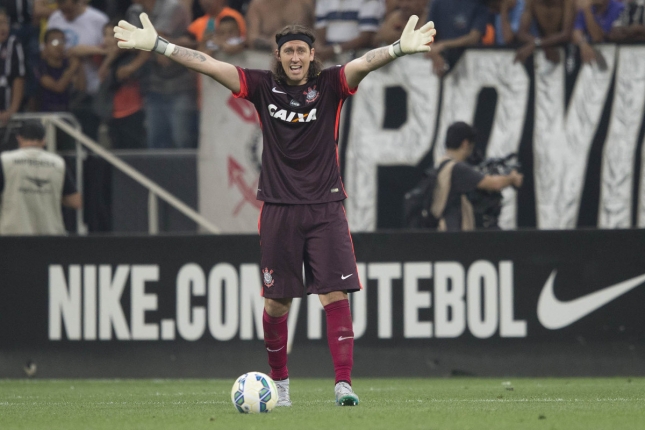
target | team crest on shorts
[
  {"x": 312, "y": 94},
  {"x": 268, "y": 278}
]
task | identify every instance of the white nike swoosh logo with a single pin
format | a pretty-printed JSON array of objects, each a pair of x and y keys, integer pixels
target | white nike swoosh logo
[
  {"x": 277, "y": 91},
  {"x": 275, "y": 350},
  {"x": 346, "y": 337},
  {"x": 555, "y": 314},
  {"x": 345, "y": 277}
]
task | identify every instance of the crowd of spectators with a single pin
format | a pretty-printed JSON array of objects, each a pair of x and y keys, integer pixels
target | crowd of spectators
[{"x": 60, "y": 55}]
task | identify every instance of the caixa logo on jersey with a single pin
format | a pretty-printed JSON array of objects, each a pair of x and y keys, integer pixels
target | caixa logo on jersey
[{"x": 289, "y": 116}]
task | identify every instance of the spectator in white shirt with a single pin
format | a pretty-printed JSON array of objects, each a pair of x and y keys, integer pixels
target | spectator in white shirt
[{"x": 346, "y": 25}]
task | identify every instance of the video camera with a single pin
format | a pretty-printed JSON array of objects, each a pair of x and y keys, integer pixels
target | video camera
[{"x": 487, "y": 205}]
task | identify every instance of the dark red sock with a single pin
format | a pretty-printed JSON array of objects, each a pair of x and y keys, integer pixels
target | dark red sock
[
  {"x": 340, "y": 337},
  {"x": 275, "y": 341}
]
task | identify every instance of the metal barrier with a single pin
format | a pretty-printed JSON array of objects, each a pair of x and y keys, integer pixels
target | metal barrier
[{"x": 70, "y": 125}]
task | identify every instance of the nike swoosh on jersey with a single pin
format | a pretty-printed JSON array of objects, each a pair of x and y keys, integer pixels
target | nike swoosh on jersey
[
  {"x": 555, "y": 314},
  {"x": 275, "y": 350},
  {"x": 345, "y": 277},
  {"x": 277, "y": 91},
  {"x": 340, "y": 338}
]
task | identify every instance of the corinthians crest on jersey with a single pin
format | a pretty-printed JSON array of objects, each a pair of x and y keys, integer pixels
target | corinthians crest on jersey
[
  {"x": 312, "y": 94},
  {"x": 267, "y": 276}
]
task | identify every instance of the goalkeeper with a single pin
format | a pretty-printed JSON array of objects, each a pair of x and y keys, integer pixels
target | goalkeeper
[{"x": 302, "y": 221}]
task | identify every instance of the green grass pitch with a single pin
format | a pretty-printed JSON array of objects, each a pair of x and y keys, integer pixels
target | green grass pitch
[{"x": 399, "y": 404}]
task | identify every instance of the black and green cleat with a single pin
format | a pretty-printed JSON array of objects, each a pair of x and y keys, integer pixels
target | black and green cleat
[{"x": 345, "y": 396}]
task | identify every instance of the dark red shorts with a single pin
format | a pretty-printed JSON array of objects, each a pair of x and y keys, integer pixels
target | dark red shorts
[{"x": 314, "y": 235}]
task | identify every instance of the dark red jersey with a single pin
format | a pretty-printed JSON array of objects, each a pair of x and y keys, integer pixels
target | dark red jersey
[{"x": 300, "y": 133}]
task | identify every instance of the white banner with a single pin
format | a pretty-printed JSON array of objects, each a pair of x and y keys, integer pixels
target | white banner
[
  {"x": 562, "y": 135},
  {"x": 370, "y": 146},
  {"x": 616, "y": 190},
  {"x": 230, "y": 153}
]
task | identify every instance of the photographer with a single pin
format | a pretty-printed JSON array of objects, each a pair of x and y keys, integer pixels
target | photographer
[{"x": 456, "y": 179}]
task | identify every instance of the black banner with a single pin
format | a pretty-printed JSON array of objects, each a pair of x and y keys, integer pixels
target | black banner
[{"x": 481, "y": 291}]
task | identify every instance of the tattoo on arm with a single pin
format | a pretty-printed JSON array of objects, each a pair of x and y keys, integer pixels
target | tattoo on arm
[
  {"x": 188, "y": 54},
  {"x": 378, "y": 57}
]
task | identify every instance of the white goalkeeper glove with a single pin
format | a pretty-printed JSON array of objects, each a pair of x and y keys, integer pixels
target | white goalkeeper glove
[
  {"x": 145, "y": 39},
  {"x": 412, "y": 40}
]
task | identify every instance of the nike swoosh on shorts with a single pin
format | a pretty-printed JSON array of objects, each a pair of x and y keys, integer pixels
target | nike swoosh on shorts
[
  {"x": 345, "y": 277},
  {"x": 555, "y": 314}
]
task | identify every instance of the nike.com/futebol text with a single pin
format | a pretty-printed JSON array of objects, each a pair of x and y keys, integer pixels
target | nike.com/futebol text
[{"x": 441, "y": 299}]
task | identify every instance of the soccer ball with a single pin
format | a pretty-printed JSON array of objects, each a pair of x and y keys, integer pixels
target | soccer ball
[{"x": 254, "y": 392}]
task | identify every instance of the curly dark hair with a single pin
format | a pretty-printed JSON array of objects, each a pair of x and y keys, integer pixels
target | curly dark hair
[{"x": 315, "y": 67}]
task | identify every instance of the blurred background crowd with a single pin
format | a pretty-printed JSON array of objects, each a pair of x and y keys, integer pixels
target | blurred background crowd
[{"x": 61, "y": 56}]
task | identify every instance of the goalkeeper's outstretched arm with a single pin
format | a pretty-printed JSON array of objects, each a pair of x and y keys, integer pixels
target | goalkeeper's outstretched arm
[
  {"x": 411, "y": 41},
  {"x": 147, "y": 39}
]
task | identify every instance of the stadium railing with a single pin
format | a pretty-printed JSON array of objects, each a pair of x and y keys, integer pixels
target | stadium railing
[{"x": 70, "y": 125}]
